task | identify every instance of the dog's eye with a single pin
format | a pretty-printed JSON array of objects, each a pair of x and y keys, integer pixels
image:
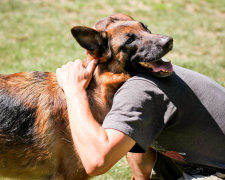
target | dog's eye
[{"x": 130, "y": 39}]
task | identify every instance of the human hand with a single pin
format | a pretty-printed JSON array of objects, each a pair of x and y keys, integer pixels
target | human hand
[{"x": 74, "y": 77}]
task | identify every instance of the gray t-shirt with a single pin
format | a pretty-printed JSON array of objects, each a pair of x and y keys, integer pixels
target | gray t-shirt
[{"x": 182, "y": 116}]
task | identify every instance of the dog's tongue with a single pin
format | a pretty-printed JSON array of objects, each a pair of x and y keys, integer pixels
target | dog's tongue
[
  {"x": 162, "y": 65},
  {"x": 159, "y": 68}
]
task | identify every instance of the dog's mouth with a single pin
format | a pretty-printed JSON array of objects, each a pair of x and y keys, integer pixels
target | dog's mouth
[{"x": 160, "y": 68}]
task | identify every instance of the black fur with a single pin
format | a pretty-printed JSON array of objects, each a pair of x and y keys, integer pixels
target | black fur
[{"x": 16, "y": 120}]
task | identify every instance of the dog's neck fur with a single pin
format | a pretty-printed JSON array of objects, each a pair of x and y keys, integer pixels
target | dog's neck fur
[{"x": 103, "y": 85}]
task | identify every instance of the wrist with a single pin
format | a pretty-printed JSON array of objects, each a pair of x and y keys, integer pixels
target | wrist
[{"x": 74, "y": 92}]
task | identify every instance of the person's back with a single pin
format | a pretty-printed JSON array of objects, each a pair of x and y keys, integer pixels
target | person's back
[
  {"x": 183, "y": 116},
  {"x": 196, "y": 128}
]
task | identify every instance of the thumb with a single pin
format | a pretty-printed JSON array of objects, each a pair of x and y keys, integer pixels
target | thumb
[
  {"x": 91, "y": 66},
  {"x": 90, "y": 69}
]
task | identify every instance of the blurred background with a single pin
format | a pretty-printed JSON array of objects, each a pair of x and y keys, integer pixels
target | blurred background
[{"x": 35, "y": 35}]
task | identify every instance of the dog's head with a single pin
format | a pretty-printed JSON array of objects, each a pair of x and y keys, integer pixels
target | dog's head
[{"x": 124, "y": 45}]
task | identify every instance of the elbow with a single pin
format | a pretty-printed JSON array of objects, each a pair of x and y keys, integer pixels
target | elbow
[
  {"x": 96, "y": 167},
  {"x": 95, "y": 171}
]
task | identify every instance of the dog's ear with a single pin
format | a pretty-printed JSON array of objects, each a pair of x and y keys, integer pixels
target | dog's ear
[{"x": 95, "y": 42}]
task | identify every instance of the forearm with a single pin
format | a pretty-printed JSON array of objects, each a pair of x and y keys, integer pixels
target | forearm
[
  {"x": 82, "y": 120},
  {"x": 90, "y": 139},
  {"x": 99, "y": 149},
  {"x": 142, "y": 164}
]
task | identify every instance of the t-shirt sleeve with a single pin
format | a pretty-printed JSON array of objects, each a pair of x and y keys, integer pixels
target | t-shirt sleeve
[{"x": 140, "y": 110}]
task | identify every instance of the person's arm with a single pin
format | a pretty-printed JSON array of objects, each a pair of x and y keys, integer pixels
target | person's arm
[
  {"x": 99, "y": 149},
  {"x": 142, "y": 164}
]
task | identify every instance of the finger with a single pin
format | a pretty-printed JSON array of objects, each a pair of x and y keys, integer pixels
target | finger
[
  {"x": 91, "y": 66},
  {"x": 63, "y": 67},
  {"x": 78, "y": 61},
  {"x": 57, "y": 70},
  {"x": 90, "y": 69}
]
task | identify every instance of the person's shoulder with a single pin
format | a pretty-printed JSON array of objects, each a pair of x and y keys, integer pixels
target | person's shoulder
[
  {"x": 139, "y": 85},
  {"x": 190, "y": 77},
  {"x": 182, "y": 70},
  {"x": 140, "y": 79}
]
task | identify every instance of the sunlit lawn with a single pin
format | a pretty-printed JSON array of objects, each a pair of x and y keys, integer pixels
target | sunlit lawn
[{"x": 35, "y": 35}]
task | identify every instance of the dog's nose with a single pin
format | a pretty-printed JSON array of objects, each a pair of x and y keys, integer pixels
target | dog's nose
[{"x": 166, "y": 42}]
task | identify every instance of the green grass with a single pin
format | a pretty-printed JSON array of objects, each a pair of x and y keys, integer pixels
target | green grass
[{"x": 35, "y": 35}]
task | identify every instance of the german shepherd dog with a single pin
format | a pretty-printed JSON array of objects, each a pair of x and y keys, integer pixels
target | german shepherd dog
[{"x": 35, "y": 138}]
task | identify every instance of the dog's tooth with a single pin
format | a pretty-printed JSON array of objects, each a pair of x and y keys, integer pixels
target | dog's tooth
[
  {"x": 165, "y": 60},
  {"x": 145, "y": 64},
  {"x": 165, "y": 71}
]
